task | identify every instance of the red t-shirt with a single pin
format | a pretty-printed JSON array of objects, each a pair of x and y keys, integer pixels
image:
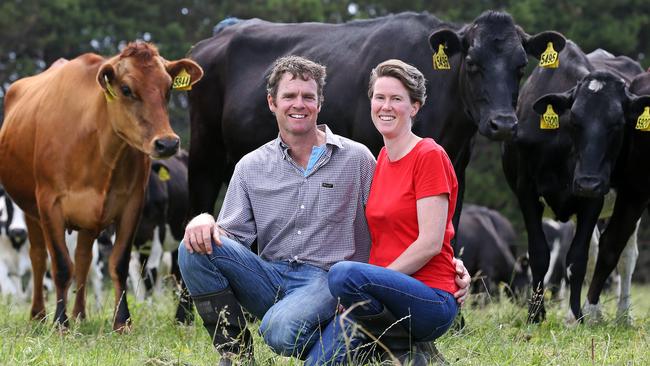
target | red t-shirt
[{"x": 392, "y": 213}]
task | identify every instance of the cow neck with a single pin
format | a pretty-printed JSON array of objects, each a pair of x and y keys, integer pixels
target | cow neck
[{"x": 111, "y": 146}]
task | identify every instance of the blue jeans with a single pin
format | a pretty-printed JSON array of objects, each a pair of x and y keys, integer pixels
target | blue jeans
[
  {"x": 428, "y": 312},
  {"x": 291, "y": 298}
]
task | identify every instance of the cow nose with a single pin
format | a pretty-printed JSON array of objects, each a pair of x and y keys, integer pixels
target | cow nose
[
  {"x": 503, "y": 126},
  {"x": 166, "y": 146},
  {"x": 19, "y": 236},
  {"x": 589, "y": 186}
]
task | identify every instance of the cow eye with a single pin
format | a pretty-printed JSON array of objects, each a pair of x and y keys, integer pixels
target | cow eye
[
  {"x": 472, "y": 67},
  {"x": 126, "y": 91}
]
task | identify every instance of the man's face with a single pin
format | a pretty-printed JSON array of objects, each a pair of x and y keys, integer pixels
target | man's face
[{"x": 296, "y": 105}]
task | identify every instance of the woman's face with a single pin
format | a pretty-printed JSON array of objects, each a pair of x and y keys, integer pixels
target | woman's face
[{"x": 391, "y": 107}]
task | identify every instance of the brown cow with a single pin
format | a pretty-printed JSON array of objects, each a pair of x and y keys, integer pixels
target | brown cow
[{"x": 75, "y": 152}]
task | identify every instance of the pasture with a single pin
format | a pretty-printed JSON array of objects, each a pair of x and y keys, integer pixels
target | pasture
[{"x": 496, "y": 334}]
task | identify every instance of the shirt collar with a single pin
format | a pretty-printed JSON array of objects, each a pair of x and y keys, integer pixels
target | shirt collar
[{"x": 330, "y": 139}]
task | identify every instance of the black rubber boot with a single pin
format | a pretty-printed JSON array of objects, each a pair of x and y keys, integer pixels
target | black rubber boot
[{"x": 224, "y": 320}]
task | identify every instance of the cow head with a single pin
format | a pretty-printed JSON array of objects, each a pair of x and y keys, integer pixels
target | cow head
[
  {"x": 137, "y": 84},
  {"x": 494, "y": 53},
  {"x": 598, "y": 105}
]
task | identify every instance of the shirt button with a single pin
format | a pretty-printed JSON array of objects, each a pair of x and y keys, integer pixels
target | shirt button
[
  {"x": 302, "y": 207},
  {"x": 299, "y": 232}
]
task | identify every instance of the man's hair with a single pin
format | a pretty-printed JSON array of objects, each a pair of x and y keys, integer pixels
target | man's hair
[
  {"x": 410, "y": 76},
  {"x": 298, "y": 67}
]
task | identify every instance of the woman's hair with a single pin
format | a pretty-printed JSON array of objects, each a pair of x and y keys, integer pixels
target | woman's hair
[
  {"x": 410, "y": 76},
  {"x": 298, "y": 67}
]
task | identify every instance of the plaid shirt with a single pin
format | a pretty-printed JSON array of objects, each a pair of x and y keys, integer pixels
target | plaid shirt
[{"x": 317, "y": 219}]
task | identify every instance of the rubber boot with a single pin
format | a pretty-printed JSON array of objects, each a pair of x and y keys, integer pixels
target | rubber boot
[{"x": 224, "y": 320}]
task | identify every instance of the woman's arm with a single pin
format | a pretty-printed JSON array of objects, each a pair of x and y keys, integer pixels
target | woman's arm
[{"x": 432, "y": 222}]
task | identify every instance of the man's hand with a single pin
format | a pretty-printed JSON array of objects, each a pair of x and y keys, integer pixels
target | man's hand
[
  {"x": 463, "y": 280},
  {"x": 199, "y": 234}
]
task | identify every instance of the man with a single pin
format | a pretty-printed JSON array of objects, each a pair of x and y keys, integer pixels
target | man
[{"x": 302, "y": 197}]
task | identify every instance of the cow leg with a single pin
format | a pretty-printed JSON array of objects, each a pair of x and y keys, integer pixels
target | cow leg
[
  {"x": 538, "y": 254},
  {"x": 82, "y": 258},
  {"x": 62, "y": 266},
  {"x": 38, "y": 257},
  {"x": 206, "y": 165},
  {"x": 184, "y": 311},
  {"x": 626, "y": 265},
  {"x": 576, "y": 260},
  {"x": 627, "y": 211}
]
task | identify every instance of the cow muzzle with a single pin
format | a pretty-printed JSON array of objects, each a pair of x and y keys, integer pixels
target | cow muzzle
[
  {"x": 502, "y": 126},
  {"x": 590, "y": 186},
  {"x": 17, "y": 237},
  {"x": 165, "y": 147}
]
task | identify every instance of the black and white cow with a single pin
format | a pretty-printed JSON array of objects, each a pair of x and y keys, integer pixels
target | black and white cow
[
  {"x": 230, "y": 116},
  {"x": 632, "y": 179},
  {"x": 486, "y": 245},
  {"x": 569, "y": 167},
  {"x": 161, "y": 228},
  {"x": 15, "y": 267}
]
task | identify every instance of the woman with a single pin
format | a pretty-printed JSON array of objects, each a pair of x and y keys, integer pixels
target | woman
[{"x": 410, "y": 277}]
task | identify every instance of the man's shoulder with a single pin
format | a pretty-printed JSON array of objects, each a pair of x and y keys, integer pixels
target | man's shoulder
[{"x": 263, "y": 155}]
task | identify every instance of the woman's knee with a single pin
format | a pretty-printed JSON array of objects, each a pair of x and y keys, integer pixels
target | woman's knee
[{"x": 340, "y": 276}]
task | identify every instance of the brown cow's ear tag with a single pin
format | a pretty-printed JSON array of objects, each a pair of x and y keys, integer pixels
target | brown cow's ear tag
[
  {"x": 549, "y": 120},
  {"x": 550, "y": 58},
  {"x": 109, "y": 92},
  {"x": 163, "y": 174},
  {"x": 643, "y": 122},
  {"x": 440, "y": 59},
  {"x": 182, "y": 81}
]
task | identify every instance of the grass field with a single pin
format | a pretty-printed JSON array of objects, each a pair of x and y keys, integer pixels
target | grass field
[{"x": 496, "y": 334}]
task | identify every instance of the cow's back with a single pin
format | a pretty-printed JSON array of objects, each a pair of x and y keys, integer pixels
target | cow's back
[
  {"x": 44, "y": 117},
  {"x": 232, "y": 96}
]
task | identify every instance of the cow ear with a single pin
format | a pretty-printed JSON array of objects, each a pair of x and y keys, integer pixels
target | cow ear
[
  {"x": 560, "y": 102},
  {"x": 635, "y": 107},
  {"x": 160, "y": 168},
  {"x": 184, "y": 73},
  {"x": 536, "y": 45},
  {"x": 448, "y": 38},
  {"x": 105, "y": 76}
]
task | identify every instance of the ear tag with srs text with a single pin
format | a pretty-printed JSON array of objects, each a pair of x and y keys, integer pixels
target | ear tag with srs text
[
  {"x": 182, "y": 81},
  {"x": 440, "y": 60},
  {"x": 550, "y": 58},
  {"x": 163, "y": 174},
  {"x": 109, "y": 92},
  {"x": 643, "y": 122},
  {"x": 549, "y": 120}
]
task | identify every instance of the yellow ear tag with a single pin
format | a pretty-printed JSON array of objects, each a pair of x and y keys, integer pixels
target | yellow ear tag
[
  {"x": 643, "y": 122},
  {"x": 549, "y": 120},
  {"x": 440, "y": 60},
  {"x": 109, "y": 92},
  {"x": 182, "y": 81},
  {"x": 550, "y": 58},
  {"x": 163, "y": 174}
]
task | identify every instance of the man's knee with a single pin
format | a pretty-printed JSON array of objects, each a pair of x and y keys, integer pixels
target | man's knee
[{"x": 288, "y": 336}]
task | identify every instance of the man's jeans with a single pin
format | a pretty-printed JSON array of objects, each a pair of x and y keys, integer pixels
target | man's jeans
[
  {"x": 291, "y": 298},
  {"x": 365, "y": 289}
]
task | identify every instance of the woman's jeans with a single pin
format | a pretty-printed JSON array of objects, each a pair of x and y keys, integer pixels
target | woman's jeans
[
  {"x": 366, "y": 289},
  {"x": 291, "y": 298}
]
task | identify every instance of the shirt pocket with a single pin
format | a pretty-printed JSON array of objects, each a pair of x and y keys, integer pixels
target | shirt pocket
[{"x": 335, "y": 204}]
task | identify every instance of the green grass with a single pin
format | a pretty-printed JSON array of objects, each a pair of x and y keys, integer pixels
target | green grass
[{"x": 496, "y": 334}]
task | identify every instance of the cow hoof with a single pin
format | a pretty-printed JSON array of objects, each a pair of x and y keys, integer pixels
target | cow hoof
[
  {"x": 38, "y": 314},
  {"x": 624, "y": 318},
  {"x": 122, "y": 328},
  {"x": 592, "y": 313}
]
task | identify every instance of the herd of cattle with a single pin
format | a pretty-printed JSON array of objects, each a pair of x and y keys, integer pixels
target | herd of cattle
[{"x": 77, "y": 143}]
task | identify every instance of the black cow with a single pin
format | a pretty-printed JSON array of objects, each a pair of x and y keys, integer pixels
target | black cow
[
  {"x": 162, "y": 225},
  {"x": 632, "y": 178},
  {"x": 230, "y": 116},
  {"x": 569, "y": 167},
  {"x": 487, "y": 244}
]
